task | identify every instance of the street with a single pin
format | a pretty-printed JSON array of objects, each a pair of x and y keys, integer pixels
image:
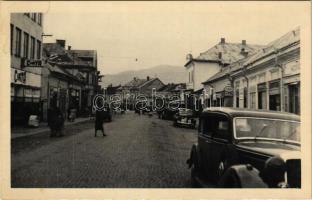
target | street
[{"x": 138, "y": 152}]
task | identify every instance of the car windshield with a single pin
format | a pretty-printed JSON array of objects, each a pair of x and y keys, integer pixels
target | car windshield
[{"x": 267, "y": 128}]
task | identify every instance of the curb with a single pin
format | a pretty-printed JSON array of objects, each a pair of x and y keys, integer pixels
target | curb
[{"x": 44, "y": 130}]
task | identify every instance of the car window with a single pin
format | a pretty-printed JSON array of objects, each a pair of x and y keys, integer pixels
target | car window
[
  {"x": 207, "y": 125},
  {"x": 222, "y": 127}
]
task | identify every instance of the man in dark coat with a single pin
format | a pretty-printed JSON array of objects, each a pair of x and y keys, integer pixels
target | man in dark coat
[
  {"x": 99, "y": 120},
  {"x": 55, "y": 121}
]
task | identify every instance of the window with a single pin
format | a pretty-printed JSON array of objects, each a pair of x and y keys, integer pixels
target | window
[
  {"x": 207, "y": 125},
  {"x": 32, "y": 48},
  {"x": 215, "y": 125},
  {"x": 38, "y": 49},
  {"x": 40, "y": 19},
  {"x": 222, "y": 127},
  {"x": 33, "y": 16},
  {"x": 18, "y": 42},
  {"x": 12, "y": 35},
  {"x": 26, "y": 45},
  {"x": 245, "y": 97}
]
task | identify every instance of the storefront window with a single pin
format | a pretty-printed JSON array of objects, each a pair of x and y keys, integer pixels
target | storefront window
[
  {"x": 294, "y": 98},
  {"x": 262, "y": 96},
  {"x": 275, "y": 97},
  {"x": 245, "y": 97}
]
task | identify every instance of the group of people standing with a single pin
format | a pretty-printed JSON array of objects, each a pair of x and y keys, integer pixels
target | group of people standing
[{"x": 56, "y": 121}]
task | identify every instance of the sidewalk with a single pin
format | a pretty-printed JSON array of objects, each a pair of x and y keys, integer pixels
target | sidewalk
[{"x": 17, "y": 132}]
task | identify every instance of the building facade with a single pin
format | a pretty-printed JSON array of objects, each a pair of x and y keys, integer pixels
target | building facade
[
  {"x": 209, "y": 63},
  {"x": 268, "y": 79},
  {"x": 26, "y": 62},
  {"x": 71, "y": 78}
]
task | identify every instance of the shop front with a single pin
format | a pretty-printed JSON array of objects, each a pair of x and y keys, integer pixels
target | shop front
[
  {"x": 228, "y": 96},
  {"x": 25, "y": 96}
]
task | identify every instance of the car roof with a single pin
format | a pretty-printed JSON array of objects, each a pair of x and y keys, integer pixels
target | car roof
[{"x": 240, "y": 112}]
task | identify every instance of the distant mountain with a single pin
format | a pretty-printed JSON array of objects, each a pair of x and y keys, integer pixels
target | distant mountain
[{"x": 166, "y": 73}]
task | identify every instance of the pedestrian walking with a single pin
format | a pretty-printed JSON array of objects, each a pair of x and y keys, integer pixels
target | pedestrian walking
[
  {"x": 55, "y": 122},
  {"x": 99, "y": 122}
]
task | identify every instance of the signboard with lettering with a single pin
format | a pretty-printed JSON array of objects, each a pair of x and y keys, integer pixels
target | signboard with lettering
[
  {"x": 228, "y": 91},
  {"x": 19, "y": 77},
  {"x": 30, "y": 63}
]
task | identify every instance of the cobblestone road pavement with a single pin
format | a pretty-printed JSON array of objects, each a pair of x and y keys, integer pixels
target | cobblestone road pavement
[{"x": 139, "y": 152}]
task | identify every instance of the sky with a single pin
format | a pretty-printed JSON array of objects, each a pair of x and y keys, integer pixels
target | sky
[{"x": 138, "y": 35}]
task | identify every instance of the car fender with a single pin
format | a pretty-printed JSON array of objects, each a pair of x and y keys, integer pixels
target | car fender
[
  {"x": 194, "y": 157},
  {"x": 241, "y": 176}
]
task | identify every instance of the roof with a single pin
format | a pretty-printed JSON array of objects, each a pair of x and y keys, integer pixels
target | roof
[
  {"x": 231, "y": 52},
  {"x": 58, "y": 70},
  {"x": 243, "y": 112},
  {"x": 136, "y": 82},
  {"x": 82, "y": 53},
  {"x": 168, "y": 87},
  {"x": 74, "y": 58},
  {"x": 289, "y": 38},
  {"x": 199, "y": 91},
  {"x": 280, "y": 43},
  {"x": 112, "y": 89}
]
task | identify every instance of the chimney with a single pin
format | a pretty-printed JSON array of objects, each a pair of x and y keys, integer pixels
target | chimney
[
  {"x": 61, "y": 43},
  {"x": 147, "y": 78},
  {"x": 69, "y": 47},
  {"x": 243, "y": 42},
  {"x": 220, "y": 55},
  {"x": 222, "y": 41}
]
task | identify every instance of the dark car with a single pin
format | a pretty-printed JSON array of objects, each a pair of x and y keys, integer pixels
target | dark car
[
  {"x": 229, "y": 137},
  {"x": 184, "y": 118}
]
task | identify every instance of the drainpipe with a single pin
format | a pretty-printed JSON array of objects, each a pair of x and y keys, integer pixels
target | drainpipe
[
  {"x": 277, "y": 53},
  {"x": 231, "y": 79},
  {"x": 247, "y": 81}
]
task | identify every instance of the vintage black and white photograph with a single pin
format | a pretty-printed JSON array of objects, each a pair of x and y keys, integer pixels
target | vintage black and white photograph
[{"x": 157, "y": 95}]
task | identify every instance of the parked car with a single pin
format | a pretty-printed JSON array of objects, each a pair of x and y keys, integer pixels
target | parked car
[
  {"x": 230, "y": 138},
  {"x": 167, "y": 114},
  {"x": 184, "y": 117}
]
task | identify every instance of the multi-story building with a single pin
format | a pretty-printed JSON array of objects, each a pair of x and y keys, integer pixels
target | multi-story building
[
  {"x": 210, "y": 62},
  {"x": 268, "y": 79},
  {"x": 72, "y": 77},
  {"x": 26, "y": 62}
]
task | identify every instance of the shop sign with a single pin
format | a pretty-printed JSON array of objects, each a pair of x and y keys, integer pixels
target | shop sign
[
  {"x": 19, "y": 77},
  {"x": 292, "y": 68},
  {"x": 25, "y": 78},
  {"x": 30, "y": 63},
  {"x": 228, "y": 91}
]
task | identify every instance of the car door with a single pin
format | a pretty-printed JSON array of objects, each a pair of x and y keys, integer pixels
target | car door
[
  {"x": 204, "y": 141},
  {"x": 218, "y": 156}
]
